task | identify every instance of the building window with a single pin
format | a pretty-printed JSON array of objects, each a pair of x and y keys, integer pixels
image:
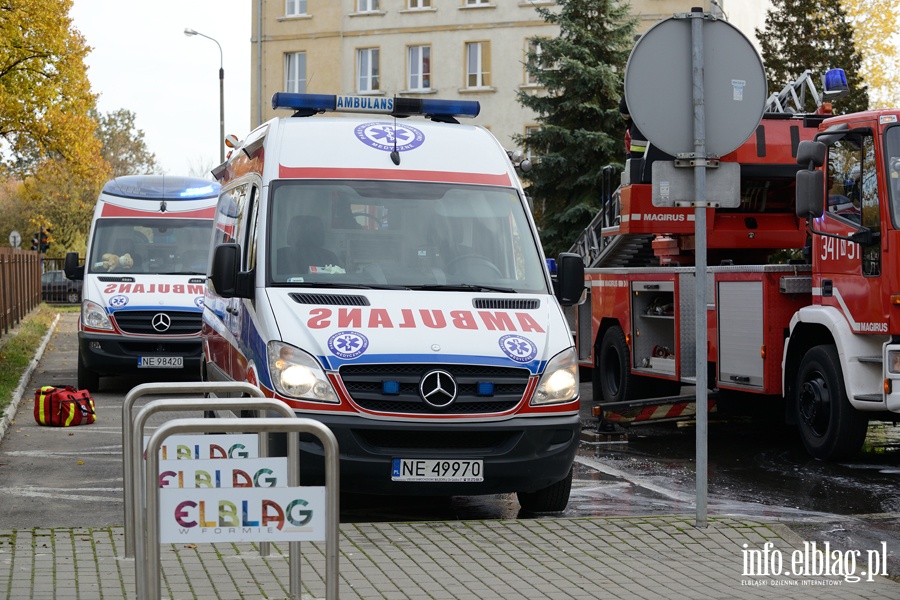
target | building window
[
  {"x": 478, "y": 64},
  {"x": 294, "y": 8},
  {"x": 532, "y": 60},
  {"x": 530, "y": 130},
  {"x": 477, "y": 2},
  {"x": 418, "y": 4},
  {"x": 367, "y": 5},
  {"x": 419, "y": 78},
  {"x": 367, "y": 70},
  {"x": 295, "y": 72}
]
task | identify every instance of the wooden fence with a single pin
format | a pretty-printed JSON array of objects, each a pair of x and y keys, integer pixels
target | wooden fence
[{"x": 20, "y": 286}]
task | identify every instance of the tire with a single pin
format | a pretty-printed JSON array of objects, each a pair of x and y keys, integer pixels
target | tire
[
  {"x": 87, "y": 379},
  {"x": 551, "y": 499},
  {"x": 831, "y": 429},
  {"x": 613, "y": 381},
  {"x": 73, "y": 297}
]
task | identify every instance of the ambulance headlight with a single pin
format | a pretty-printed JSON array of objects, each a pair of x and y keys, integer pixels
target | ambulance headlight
[
  {"x": 559, "y": 383},
  {"x": 94, "y": 316},
  {"x": 296, "y": 374}
]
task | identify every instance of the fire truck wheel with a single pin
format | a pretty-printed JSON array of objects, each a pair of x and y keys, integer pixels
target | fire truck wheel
[
  {"x": 553, "y": 498},
  {"x": 613, "y": 379},
  {"x": 830, "y": 427},
  {"x": 87, "y": 379}
]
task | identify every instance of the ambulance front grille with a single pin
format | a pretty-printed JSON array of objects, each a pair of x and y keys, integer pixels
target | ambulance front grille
[
  {"x": 482, "y": 441},
  {"x": 141, "y": 322},
  {"x": 367, "y": 385}
]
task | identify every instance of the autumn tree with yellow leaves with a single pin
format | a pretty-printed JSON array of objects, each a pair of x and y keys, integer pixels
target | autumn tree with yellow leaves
[
  {"x": 56, "y": 150},
  {"x": 875, "y": 22},
  {"x": 50, "y": 156}
]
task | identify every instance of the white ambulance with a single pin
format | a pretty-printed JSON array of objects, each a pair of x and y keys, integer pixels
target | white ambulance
[
  {"x": 384, "y": 276},
  {"x": 144, "y": 278}
]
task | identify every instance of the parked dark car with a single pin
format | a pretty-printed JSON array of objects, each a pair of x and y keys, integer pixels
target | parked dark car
[{"x": 56, "y": 288}]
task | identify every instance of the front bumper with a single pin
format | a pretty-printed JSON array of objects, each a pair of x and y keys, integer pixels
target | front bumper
[
  {"x": 119, "y": 355},
  {"x": 522, "y": 454}
]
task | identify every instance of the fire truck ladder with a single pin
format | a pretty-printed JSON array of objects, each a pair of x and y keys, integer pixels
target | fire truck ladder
[
  {"x": 611, "y": 250},
  {"x": 793, "y": 96}
]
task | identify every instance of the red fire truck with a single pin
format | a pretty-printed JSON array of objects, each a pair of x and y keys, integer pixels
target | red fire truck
[{"x": 819, "y": 328}]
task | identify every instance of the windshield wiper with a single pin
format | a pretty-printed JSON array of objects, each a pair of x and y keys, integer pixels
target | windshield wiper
[
  {"x": 463, "y": 287},
  {"x": 328, "y": 284}
]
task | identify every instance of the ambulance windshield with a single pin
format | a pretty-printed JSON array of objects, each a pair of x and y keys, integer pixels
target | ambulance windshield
[
  {"x": 160, "y": 246},
  {"x": 402, "y": 234}
]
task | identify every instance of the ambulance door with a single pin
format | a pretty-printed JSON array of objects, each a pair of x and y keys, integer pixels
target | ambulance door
[
  {"x": 218, "y": 336},
  {"x": 242, "y": 317}
]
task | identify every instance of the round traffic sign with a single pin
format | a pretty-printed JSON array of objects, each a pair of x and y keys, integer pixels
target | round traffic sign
[
  {"x": 15, "y": 239},
  {"x": 659, "y": 86}
]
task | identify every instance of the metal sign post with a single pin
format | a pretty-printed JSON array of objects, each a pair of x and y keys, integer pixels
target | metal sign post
[{"x": 697, "y": 117}]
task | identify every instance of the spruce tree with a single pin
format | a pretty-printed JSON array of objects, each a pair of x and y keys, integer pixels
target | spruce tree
[
  {"x": 814, "y": 35},
  {"x": 580, "y": 129}
]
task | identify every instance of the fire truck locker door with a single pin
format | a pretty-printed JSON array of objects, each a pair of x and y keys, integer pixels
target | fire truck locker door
[
  {"x": 740, "y": 320},
  {"x": 653, "y": 322}
]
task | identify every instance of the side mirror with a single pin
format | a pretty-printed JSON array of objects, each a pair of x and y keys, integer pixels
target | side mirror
[
  {"x": 811, "y": 154},
  {"x": 224, "y": 273},
  {"x": 71, "y": 268},
  {"x": 569, "y": 287},
  {"x": 810, "y": 194}
]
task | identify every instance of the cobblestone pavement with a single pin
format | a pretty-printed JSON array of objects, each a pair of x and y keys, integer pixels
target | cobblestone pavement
[{"x": 577, "y": 558}]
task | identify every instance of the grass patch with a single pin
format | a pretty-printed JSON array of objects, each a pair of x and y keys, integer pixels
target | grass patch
[{"x": 17, "y": 348}]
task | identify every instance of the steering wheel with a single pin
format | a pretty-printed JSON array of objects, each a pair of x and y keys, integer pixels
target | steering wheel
[
  {"x": 476, "y": 260},
  {"x": 372, "y": 219}
]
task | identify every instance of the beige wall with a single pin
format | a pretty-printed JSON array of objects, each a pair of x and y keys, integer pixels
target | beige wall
[{"x": 331, "y": 33}]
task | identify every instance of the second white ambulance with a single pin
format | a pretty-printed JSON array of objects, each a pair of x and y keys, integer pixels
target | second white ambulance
[
  {"x": 384, "y": 276},
  {"x": 144, "y": 278}
]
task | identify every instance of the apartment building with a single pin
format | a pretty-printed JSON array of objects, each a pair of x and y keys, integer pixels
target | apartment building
[{"x": 453, "y": 49}]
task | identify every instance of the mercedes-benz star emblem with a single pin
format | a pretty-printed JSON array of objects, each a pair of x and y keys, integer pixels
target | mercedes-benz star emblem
[
  {"x": 161, "y": 322},
  {"x": 438, "y": 389}
]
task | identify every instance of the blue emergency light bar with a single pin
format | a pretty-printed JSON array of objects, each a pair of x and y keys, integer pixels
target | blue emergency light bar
[
  {"x": 310, "y": 104},
  {"x": 161, "y": 187}
]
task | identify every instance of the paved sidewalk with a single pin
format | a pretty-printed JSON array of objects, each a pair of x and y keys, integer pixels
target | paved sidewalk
[{"x": 581, "y": 558}]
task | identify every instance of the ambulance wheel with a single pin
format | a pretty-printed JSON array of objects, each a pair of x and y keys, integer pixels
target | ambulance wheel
[
  {"x": 831, "y": 429},
  {"x": 87, "y": 379},
  {"x": 613, "y": 381},
  {"x": 553, "y": 498}
]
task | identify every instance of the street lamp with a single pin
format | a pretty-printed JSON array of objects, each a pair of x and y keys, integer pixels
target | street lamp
[{"x": 191, "y": 32}]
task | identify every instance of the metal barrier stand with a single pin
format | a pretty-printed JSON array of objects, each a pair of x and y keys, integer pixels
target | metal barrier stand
[
  {"x": 167, "y": 388},
  {"x": 136, "y": 451},
  {"x": 151, "y": 586}
]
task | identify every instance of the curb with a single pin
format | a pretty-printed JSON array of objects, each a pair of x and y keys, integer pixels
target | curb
[{"x": 10, "y": 413}]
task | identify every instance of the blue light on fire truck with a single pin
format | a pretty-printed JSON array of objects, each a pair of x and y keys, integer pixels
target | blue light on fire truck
[
  {"x": 401, "y": 107},
  {"x": 836, "y": 83}
]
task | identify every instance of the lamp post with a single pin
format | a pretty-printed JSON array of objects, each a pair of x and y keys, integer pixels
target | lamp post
[{"x": 191, "y": 32}]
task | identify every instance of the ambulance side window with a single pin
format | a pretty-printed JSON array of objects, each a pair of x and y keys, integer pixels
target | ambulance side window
[{"x": 251, "y": 231}]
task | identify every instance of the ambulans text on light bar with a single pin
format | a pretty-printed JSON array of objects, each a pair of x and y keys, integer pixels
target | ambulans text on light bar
[{"x": 400, "y": 107}]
